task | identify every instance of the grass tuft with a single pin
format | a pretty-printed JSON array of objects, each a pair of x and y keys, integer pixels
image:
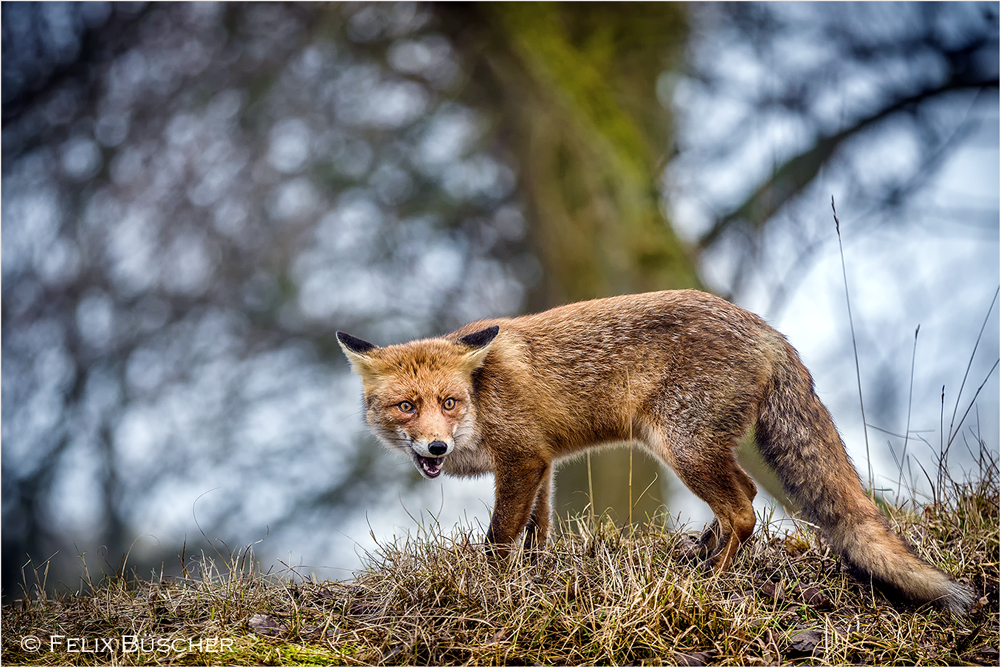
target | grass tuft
[{"x": 598, "y": 593}]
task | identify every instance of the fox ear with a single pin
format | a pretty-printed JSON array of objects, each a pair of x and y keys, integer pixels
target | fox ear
[
  {"x": 480, "y": 338},
  {"x": 352, "y": 344},
  {"x": 357, "y": 352},
  {"x": 479, "y": 342}
]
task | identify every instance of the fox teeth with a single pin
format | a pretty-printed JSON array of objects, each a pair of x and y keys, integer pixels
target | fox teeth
[{"x": 430, "y": 466}]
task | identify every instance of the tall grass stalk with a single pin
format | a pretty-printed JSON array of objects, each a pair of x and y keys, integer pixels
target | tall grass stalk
[{"x": 854, "y": 341}]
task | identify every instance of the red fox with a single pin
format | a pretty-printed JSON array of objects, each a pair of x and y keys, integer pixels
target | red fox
[{"x": 683, "y": 373}]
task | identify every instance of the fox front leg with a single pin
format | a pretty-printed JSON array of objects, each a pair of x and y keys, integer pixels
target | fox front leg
[
  {"x": 516, "y": 491},
  {"x": 537, "y": 531}
]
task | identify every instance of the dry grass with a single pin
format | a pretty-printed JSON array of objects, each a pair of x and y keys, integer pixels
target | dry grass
[{"x": 598, "y": 595}]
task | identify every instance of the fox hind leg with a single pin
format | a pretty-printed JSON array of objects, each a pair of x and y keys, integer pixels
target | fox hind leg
[
  {"x": 734, "y": 520},
  {"x": 726, "y": 493},
  {"x": 710, "y": 470}
]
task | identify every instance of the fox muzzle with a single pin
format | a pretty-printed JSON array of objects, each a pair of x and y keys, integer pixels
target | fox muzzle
[
  {"x": 434, "y": 448},
  {"x": 429, "y": 457}
]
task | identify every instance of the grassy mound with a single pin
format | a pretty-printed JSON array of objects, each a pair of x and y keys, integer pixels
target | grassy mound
[{"x": 597, "y": 594}]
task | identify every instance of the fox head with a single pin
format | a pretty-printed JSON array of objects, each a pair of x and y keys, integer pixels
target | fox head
[{"x": 418, "y": 395}]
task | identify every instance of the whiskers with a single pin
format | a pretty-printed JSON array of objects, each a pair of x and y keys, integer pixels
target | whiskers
[{"x": 397, "y": 440}]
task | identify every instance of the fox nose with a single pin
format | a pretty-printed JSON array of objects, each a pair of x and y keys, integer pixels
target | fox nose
[{"x": 437, "y": 448}]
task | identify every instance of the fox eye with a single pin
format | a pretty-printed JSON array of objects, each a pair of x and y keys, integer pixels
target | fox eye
[
  {"x": 449, "y": 403},
  {"x": 406, "y": 406}
]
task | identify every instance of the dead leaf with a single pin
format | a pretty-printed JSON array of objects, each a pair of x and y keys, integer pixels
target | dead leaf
[
  {"x": 814, "y": 597},
  {"x": 264, "y": 625},
  {"x": 803, "y": 643},
  {"x": 498, "y": 637},
  {"x": 769, "y": 590},
  {"x": 695, "y": 659}
]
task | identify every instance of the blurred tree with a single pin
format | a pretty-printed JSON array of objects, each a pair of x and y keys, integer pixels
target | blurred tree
[
  {"x": 197, "y": 196},
  {"x": 576, "y": 85}
]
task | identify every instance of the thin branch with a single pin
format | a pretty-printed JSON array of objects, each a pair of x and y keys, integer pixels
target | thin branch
[{"x": 795, "y": 174}]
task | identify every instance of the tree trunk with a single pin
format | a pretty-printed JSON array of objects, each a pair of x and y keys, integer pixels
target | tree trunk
[{"x": 577, "y": 84}]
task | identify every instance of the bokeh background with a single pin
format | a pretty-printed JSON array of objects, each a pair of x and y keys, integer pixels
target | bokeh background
[{"x": 195, "y": 197}]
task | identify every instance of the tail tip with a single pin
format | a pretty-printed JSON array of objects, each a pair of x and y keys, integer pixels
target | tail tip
[{"x": 958, "y": 599}]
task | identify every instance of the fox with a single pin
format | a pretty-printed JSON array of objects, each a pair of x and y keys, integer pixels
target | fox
[{"x": 683, "y": 373}]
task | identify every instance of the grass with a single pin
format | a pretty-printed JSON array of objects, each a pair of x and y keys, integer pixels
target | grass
[{"x": 598, "y": 594}]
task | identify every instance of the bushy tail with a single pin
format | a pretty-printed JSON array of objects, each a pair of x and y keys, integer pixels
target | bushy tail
[{"x": 797, "y": 437}]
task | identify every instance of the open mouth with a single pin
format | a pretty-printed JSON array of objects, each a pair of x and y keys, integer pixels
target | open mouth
[{"x": 430, "y": 466}]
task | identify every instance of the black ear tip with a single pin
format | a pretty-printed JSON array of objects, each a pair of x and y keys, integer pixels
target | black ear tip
[
  {"x": 481, "y": 337},
  {"x": 353, "y": 344}
]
